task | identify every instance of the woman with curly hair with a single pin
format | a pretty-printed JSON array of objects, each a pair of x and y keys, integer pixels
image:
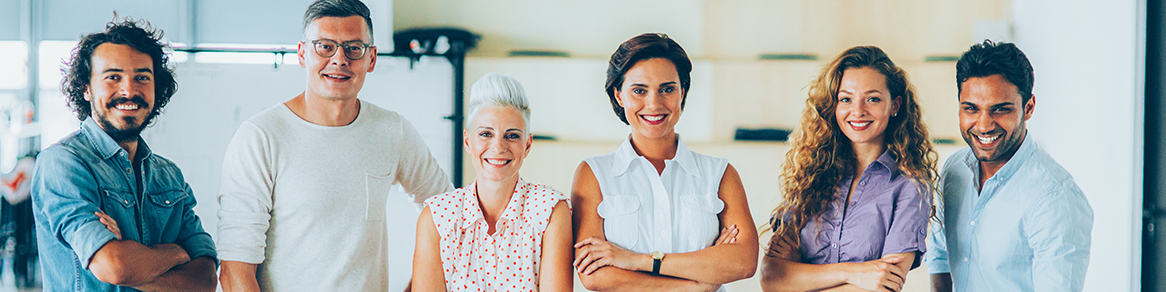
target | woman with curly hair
[{"x": 858, "y": 182}]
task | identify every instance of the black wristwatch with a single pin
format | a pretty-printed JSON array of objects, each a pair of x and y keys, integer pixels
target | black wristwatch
[{"x": 657, "y": 257}]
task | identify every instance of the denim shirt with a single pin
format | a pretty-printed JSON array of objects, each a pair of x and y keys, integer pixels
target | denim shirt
[
  {"x": 88, "y": 172},
  {"x": 1028, "y": 229}
]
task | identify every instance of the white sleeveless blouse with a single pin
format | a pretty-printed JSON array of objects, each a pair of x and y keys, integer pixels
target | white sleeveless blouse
[{"x": 673, "y": 212}]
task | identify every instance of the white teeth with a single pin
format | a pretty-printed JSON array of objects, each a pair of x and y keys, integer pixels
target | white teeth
[
  {"x": 862, "y": 124},
  {"x": 127, "y": 106},
  {"x": 334, "y": 76},
  {"x": 984, "y": 140},
  {"x": 497, "y": 161},
  {"x": 653, "y": 118}
]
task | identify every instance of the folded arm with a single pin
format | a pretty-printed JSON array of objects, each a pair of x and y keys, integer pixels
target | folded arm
[
  {"x": 782, "y": 270},
  {"x": 196, "y": 275},
  {"x": 588, "y": 224}
]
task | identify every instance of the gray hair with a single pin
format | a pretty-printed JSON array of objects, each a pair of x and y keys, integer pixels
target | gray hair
[{"x": 500, "y": 90}]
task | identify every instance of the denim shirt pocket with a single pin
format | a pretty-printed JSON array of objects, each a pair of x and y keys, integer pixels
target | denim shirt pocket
[
  {"x": 620, "y": 221},
  {"x": 164, "y": 214},
  {"x": 376, "y": 193},
  {"x": 700, "y": 218}
]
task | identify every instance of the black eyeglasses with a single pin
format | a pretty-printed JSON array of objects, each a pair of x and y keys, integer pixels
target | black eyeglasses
[{"x": 353, "y": 50}]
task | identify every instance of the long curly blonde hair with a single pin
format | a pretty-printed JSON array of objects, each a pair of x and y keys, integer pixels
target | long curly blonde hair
[{"x": 820, "y": 155}]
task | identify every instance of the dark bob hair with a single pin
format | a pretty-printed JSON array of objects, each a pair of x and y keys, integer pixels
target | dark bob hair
[
  {"x": 135, "y": 34},
  {"x": 643, "y": 47}
]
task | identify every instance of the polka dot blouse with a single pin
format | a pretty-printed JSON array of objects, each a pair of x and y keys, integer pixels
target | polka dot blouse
[{"x": 508, "y": 260}]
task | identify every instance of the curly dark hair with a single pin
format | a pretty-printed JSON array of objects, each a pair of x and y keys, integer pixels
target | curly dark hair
[
  {"x": 991, "y": 58},
  {"x": 139, "y": 35},
  {"x": 643, "y": 47}
]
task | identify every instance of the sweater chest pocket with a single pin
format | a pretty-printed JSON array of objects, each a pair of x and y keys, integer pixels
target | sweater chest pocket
[{"x": 376, "y": 193}]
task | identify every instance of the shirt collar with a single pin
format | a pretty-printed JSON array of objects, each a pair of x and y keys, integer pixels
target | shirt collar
[
  {"x": 626, "y": 154},
  {"x": 1019, "y": 158},
  {"x": 104, "y": 144},
  {"x": 472, "y": 212},
  {"x": 890, "y": 163}
]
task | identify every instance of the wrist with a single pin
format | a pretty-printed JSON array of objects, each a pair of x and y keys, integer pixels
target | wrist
[
  {"x": 846, "y": 273},
  {"x": 645, "y": 262}
]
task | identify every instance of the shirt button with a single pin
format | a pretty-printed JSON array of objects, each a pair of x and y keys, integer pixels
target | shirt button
[
  {"x": 129, "y": 171},
  {"x": 965, "y": 259},
  {"x": 834, "y": 245},
  {"x": 662, "y": 233},
  {"x": 167, "y": 201},
  {"x": 973, "y": 223},
  {"x": 126, "y": 201},
  {"x": 862, "y": 183}
]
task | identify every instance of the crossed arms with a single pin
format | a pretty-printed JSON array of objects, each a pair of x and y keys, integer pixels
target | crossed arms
[{"x": 604, "y": 266}]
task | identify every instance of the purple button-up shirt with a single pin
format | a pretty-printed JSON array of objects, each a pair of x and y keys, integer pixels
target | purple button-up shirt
[{"x": 886, "y": 215}]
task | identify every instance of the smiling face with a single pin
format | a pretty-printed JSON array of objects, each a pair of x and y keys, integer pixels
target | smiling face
[
  {"x": 651, "y": 97},
  {"x": 864, "y": 106},
  {"x": 992, "y": 117},
  {"x": 337, "y": 77},
  {"x": 498, "y": 142},
  {"x": 121, "y": 90}
]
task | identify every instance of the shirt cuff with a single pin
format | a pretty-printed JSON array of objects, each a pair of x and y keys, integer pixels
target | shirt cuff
[
  {"x": 200, "y": 245},
  {"x": 937, "y": 267},
  {"x": 88, "y": 239}
]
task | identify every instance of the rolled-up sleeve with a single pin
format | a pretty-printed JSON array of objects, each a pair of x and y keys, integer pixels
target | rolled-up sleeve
[
  {"x": 1059, "y": 228},
  {"x": 418, "y": 171},
  {"x": 65, "y": 197},
  {"x": 192, "y": 238},
  {"x": 908, "y": 230},
  {"x": 245, "y": 197}
]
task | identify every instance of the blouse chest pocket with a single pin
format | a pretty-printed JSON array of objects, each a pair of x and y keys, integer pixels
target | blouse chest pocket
[
  {"x": 700, "y": 221},
  {"x": 620, "y": 221}
]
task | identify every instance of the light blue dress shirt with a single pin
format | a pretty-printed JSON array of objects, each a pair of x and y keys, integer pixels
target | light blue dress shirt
[
  {"x": 1028, "y": 230},
  {"x": 87, "y": 171}
]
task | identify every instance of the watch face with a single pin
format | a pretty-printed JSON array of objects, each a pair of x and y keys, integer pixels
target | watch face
[{"x": 657, "y": 255}]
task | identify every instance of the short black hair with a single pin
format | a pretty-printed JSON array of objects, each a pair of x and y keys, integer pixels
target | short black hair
[
  {"x": 643, "y": 47},
  {"x": 991, "y": 58},
  {"x": 338, "y": 8},
  {"x": 138, "y": 35}
]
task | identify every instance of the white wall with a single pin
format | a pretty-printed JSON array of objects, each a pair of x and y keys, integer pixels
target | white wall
[{"x": 1088, "y": 61}]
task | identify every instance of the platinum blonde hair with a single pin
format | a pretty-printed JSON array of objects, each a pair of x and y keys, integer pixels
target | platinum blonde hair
[{"x": 500, "y": 90}]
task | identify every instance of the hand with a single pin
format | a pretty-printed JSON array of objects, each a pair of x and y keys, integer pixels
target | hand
[
  {"x": 728, "y": 235},
  {"x": 783, "y": 247},
  {"x": 877, "y": 275},
  {"x": 109, "y": 224},
  {"x": 595, "y": 253}
]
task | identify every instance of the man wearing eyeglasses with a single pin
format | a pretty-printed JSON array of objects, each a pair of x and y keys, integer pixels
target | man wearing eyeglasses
[{"x": 305, "y": 183}]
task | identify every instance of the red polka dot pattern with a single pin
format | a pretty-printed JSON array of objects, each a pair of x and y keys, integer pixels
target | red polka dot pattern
[{"x": 508, "y": 260}]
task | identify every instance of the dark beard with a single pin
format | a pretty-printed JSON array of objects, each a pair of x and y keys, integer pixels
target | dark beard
[{"x": 124, "y": 135}]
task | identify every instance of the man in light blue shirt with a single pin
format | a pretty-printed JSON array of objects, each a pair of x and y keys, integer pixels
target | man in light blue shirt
[
  {"x": 110, "y": 215},
  {"x": 1012, "y": 218}
]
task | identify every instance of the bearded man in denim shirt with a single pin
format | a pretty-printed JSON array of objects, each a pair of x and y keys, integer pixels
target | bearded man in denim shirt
[{"x": 110, "y": 215}]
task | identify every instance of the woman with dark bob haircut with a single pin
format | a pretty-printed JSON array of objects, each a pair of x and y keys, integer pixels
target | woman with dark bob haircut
[
  {"x": 858, "y": 182},
  {"x": 647, "y": 215}
]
